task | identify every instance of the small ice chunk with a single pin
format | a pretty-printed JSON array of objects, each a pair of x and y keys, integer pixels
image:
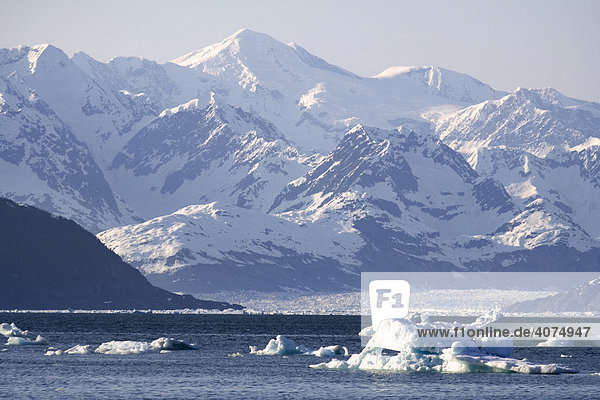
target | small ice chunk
[
  {"x": 284, "y": 346},
  {"x": 236, "y": 354},
  {"x": 566, "y": 356},
  {"x": 366, "y": 332},
  {"x": 123, "y": 347},
  {"x": 23, "y": 341},
  {"x": 79, "y": 349},
  {"x": 279, "y": 346},
  {"x": 11, "y": 330},
  {"x": 131, "y": 347},
  {"x": 460, "y": 358},
  {"x": 164, "y": 343},
  {"x": 330, "y": 351}
]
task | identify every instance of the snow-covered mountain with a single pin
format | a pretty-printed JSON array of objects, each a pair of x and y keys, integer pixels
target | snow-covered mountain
[
  {"x": 381, "y": 200},
  {"x": 254, "y": 163},
  {"x": 314, "y": 102},
  {"x": 533, "y": 120},
  {"x": 196, "y": 153},
  {"x": 43, "y": 163},
  {"x": 581, "y": 299}
]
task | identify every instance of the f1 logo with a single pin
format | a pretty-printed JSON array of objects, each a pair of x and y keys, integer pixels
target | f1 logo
[{"x": 388, "y": 299}]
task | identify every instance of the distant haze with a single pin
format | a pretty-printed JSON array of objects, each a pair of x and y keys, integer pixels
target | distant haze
[{"x": 503, "y": 43}]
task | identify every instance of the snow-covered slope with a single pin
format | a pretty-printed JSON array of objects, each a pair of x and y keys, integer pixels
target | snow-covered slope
[
  {"x": 204, "y": 248},
  {"x": 294, "y": 169},
  {"x": 114, "y": 107},
  {"x": 196, "y": 153},
  {"x": 381, "y": 200},
  {"x": 533, "y": 120},
  {"x": 564, "y": 184},
  {"x": 314, "y": 102},
  {"x": 98, "y": 115},
  {"x": 580, "y": 299},
  {"x": 43, "y": 163}
]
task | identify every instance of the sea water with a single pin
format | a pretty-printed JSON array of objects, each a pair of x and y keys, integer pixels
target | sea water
[{"x": 223, "y": 367}]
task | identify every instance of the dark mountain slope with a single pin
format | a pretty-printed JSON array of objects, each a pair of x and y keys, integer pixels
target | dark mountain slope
[{"x": 49, "y": 262}]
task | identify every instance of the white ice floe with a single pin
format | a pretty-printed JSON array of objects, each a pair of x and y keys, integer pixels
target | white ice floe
[
  {"x": 19, "y": 337},
  {"x": 75, "y": 350},
  {"x": 459, "y": 358},
  {"x": 164, "y": 343},
  {"x": 395, "y": 346},
  {"x": 330, "y": 351},
  {"x": 281, "y": 345},
  {"x": 560, "y": 342},
  {"x": 24, "y": 341},
  {"x": 11, "y": 330},
  {"x": 79, "y": 349},
  {"x": 125, "y": 347}
]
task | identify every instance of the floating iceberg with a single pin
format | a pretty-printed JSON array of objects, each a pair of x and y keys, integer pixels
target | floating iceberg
[
  {"x": 24, "y": 341},
  {"x": 164, "y": 343},
  {"x": 52, "y": 351},
  {"x": 75, "y": 350},
  {"x": 281, "y": 345},
  {"x": 125, "y": 347},
  {"x": 11, "y": 330},
  {"x": 18, "y": 337},
  {"x": 460, "y": 358},
  {"x": 330, "y": 351},
  {"x": 399, "y": 336}
]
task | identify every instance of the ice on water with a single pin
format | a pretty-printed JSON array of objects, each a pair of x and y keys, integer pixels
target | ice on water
[
  {"x": 19, "y": 337},
  {"x": 24, "y": 341},
  {"x": 281, "y": 345},
  {"x": 11, "y": 330},
  {"x": 75, "y": 350},
  {"x": 125, "y": 347},
  {"x": 394, "y": 346}
]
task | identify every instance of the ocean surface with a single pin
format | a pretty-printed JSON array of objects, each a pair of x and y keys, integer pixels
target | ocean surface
[{"x": 211, "y": 372}]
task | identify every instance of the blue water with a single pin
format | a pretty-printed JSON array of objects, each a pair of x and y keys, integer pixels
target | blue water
[{"x": 209, "y": 373}]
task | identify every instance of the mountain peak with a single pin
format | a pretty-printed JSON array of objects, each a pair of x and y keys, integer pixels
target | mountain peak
[
  {"x": 245, "y": 33},
  {"x": 243, "y": 39},
  {"x": 33, "y": 55},
  {"x": 254, "y": 49},
  {"x": 444, "y": 82}
]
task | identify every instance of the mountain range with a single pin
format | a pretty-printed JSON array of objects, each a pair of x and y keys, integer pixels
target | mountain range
[{"x": 255, "y": 165}]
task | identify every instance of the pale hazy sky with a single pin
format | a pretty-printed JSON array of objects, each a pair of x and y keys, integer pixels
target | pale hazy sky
[{"x": 504, "y": 43}]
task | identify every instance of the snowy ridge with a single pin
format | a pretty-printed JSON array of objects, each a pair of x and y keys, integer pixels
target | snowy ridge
[
  {"x": 533, "y": 120},
  {"x": 251, "y": 138}
]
